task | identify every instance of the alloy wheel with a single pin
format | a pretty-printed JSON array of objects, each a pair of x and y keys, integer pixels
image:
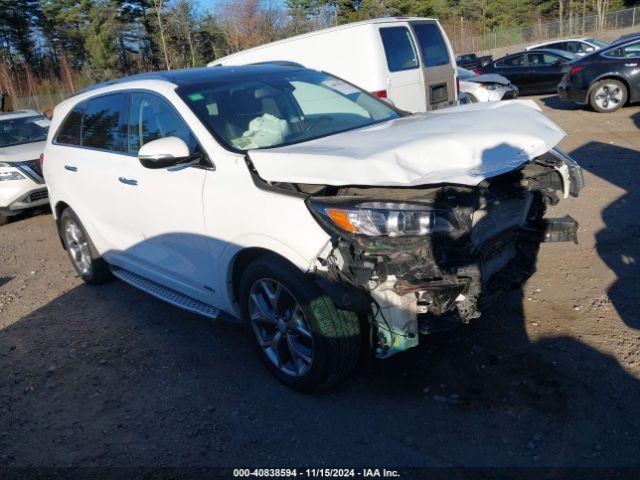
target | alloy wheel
[
  {"x": 78, "y": 246},
  {"x": 608, "y": 96},
  {"x": 280, "y": 326}
]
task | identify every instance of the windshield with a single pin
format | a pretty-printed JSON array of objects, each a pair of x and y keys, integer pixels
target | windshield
[
  {"x": 597, "y": 43},
  {"x": 16, "y": 131},
  {"x": 283, "y": 108},
  {"x": 464, "y": 74}
]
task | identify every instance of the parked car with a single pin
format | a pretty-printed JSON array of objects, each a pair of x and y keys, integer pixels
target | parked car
[
  {"x": 320, "y": 214},
  {"x": 406, "y": 60},
  {"x": 471, "y": 60},
  {"x": 606, "y": 79},
  {"x": 577, "y": 46},
  {"x": 533, "y": 71},
  {"x": 489, "y": 87},
  {"x": 22, "y": 139}
]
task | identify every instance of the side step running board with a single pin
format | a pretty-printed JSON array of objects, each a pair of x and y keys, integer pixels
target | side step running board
[{"x": 168, "y": 295}]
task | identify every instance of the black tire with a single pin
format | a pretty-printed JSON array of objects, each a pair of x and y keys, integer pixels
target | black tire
[
  {"x": 97, "y": 271},
  {"x": 335, "y": 333},
  {"x": 612, "y": 103},
  {"x": 4, "y": 219}
]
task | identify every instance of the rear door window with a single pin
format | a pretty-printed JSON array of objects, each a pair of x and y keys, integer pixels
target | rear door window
[
  {"x": 399, "y": 49},
  {"x": 557, "y": 45},
  {"x": 542, "y": 59},
  {"x": 630, "y": 51},
  {"x": 434, "y": 49},
  {"x": 103, "y": 127},
  {"x": 515, "y": 61},
  {"x": 576, "y": 47}
]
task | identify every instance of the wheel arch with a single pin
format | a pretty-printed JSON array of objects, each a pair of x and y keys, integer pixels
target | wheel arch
[
  {"x": 238, "y": 255},
  {"x": 60, "y": 207}
]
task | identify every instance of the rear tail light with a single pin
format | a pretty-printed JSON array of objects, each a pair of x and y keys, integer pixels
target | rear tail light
[
  {"x": 381, "y": 94},
  {"x": 477, "y": 71},
  {"x": 457, "y": 86},
  {"x": 41, "y": 162},
  {"x": 576, "y": 69}
]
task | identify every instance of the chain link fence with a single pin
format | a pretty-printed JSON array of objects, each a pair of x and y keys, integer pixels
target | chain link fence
[
  {"x": 577, "y": 26},
  {"x": 41, "y": 103}
]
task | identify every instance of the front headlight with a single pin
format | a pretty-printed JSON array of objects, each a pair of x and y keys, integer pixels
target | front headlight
[
  {"x": 489, "y": 86},
  {"x": 8, "y": 172},
  {"x": 379, "y": 218}
]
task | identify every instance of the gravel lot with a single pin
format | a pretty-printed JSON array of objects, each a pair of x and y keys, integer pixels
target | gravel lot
[{"x": 551, "y": 377}]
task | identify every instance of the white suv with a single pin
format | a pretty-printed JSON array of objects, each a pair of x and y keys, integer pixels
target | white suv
[
  {"x": 326, "y": 218},
  {"x": 22, "y": 139}
]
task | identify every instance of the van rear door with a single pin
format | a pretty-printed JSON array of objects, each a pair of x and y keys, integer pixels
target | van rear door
[
  {"x": 437, "y": 64},
  {"x": 404, "y": 84}
]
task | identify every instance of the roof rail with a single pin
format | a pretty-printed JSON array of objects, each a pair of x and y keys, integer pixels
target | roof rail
[{"x": 281, "y": 63}]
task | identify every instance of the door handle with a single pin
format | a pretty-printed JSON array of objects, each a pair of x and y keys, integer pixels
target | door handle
[
  {"x": 71, "y": 168},
  {"x": 128, "y": 181}
]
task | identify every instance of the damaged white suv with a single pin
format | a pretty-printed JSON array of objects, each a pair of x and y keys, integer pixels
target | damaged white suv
[{"x": 326, "y": 218}]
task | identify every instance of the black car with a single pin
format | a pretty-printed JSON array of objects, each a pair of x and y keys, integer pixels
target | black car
[
  {"x": 606, "y": 79},
  {"x": 532, "y": 71},
  {"x": 471, "y": 60}
]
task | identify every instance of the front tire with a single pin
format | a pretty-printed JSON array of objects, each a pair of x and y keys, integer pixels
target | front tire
[
  {"x": 85, "y": 259},
  {"x": 608, "y": 95},
  {"x": 304, "y": 340}
]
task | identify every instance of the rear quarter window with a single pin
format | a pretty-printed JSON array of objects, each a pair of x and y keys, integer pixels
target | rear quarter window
[
  {"x": 71, "y": 128},
  {"x": 398, "y": 48},
  {"x": 432, "y": 44}
]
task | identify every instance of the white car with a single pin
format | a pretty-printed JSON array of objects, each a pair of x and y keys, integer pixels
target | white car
[
  {"x": 489, "y": 87},
  {"x": 327, "y": 219},
  {"x": 577, "y": 46},
  {"x": 22, "y": 139}
]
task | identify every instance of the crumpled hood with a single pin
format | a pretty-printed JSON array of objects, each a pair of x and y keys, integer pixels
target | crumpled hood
[
  {"x": 21, "y": 153},
  {"x": 489, "y": 78},
  {"x": 461, "y": 145}
]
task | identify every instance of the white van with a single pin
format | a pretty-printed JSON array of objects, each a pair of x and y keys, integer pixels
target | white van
[{"x": 407, "y": 60}]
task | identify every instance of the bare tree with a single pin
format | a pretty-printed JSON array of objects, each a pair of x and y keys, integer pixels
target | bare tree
[{"x": 159, "y": 5}]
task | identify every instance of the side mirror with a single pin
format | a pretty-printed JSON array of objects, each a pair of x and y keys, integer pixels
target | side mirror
[{"x": 164, "y": 152}]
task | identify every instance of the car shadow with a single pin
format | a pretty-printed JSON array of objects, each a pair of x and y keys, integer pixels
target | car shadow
[
  {"x": 43, "y": 210},
  {"x": 555, "y": 102},
  {"x": 636, "y": 119},
  {"x": 5, "y": 280},
  {"x": 618, "y": 243}
]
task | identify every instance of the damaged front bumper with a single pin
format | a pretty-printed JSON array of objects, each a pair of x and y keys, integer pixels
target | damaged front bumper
[{"x": 407, "y": 286}]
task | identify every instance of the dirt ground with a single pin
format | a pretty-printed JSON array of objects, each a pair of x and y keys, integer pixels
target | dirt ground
[{"x": 550, "y": 377}]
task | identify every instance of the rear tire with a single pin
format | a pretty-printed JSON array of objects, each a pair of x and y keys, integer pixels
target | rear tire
[
  {"x": 85, "y": 259},
  {"x": 4, "y": 219},
  {"x": 608, "y": 95},
  {"x": 304, "y": 340}
]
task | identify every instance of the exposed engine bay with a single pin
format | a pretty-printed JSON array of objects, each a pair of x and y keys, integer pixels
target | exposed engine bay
[{"x": 409, "y": 284}]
